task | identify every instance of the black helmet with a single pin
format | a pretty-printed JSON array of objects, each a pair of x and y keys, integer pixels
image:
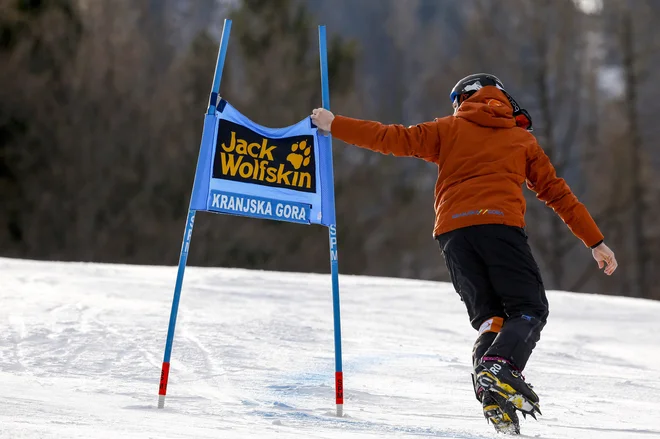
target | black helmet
[{"x": 469, "y": 85}]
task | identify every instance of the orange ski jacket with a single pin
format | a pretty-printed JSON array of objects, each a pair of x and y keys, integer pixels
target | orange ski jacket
[{"x": 483, "y": 159}]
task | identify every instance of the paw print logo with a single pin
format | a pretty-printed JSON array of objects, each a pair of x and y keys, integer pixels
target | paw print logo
[{"x": 300, "y": 155}]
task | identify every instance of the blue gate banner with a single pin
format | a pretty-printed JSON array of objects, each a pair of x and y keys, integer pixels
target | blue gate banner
[
  {"x": 246, "y": 169},
  {"x": 273, "y": 173}
]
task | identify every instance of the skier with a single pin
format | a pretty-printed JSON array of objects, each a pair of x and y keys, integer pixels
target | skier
[{"x": 484, "y": 153}]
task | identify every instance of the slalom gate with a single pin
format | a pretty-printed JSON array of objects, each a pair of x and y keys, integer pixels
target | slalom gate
[{"x": 245, "y": 169}]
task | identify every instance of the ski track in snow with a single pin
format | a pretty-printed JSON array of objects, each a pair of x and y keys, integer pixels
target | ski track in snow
[{"x": 81, "y": 347}]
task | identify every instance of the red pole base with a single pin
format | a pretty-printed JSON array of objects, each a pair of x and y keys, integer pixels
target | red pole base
[
  {"x": 162, "y": 388},
  {"x": 339, "y": 387}
]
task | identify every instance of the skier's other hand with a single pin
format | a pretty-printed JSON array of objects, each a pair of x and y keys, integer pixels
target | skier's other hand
[
  {"x": 322, "y": 118},
  {"x": 603, "y": 255}
]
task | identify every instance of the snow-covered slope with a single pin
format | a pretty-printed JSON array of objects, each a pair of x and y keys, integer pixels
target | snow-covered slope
[{"x": 81, "y": 347}]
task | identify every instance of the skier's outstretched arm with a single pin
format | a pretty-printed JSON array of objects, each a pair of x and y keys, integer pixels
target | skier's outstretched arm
[
  {"x": 542, "y": 179},
  {"x": 422, "y": 141}
]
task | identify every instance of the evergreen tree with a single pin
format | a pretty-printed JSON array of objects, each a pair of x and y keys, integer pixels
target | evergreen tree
[{"x": 38, "y": 40}]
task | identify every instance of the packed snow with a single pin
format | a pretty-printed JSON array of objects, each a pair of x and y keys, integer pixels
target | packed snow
[{"x": 81, "y": 348}]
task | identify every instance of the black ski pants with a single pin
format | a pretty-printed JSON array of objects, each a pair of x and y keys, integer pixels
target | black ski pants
[{"x": 495, "y": 274}]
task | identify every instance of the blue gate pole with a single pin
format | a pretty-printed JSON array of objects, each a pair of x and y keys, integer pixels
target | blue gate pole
[
  {"x": 334, "y": 263},
  {"x": 187, "y": 234}
]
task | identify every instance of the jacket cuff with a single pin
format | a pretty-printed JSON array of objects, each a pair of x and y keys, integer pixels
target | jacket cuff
[
  {"x": 598, "y": 243},
  {"x": 341, "y": 128}
]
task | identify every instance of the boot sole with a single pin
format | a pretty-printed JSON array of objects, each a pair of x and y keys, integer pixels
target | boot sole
[
  {"x": 501, "y": 420},
  {"x": 492, "y": 384}
]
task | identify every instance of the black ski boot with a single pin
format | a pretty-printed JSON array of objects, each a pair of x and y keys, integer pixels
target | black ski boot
[
  {"x": 503, "y": 417},
  {"x": 497, "y": 410},
  {"x": 507, "y": 385}
]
